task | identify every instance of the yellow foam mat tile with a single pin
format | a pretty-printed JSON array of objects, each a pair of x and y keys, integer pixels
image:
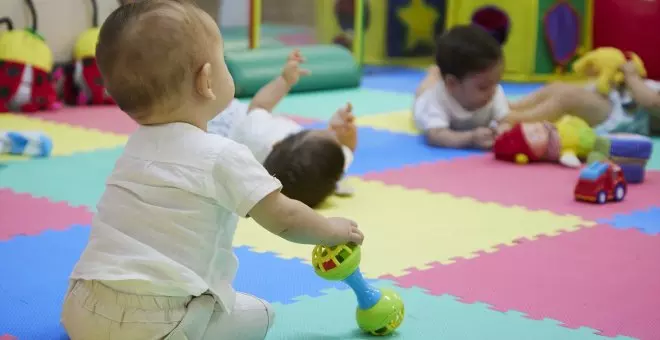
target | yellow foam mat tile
[
  {"x": 400, "y": 121},
  {"x": 438, "y": 227},
  {"x": 66, "y": 139}
]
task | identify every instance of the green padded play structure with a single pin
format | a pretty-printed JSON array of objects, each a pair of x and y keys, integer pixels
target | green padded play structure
[{"x": 331, "y": 66}]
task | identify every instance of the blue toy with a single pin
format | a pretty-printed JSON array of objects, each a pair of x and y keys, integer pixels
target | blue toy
[{"x": 25, "y": 143}]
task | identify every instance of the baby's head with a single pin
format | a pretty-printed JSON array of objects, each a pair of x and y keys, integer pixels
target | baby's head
[
  {"x": 309, "y": 164},
  {"x": 471, "y": 64},
  {"x": 162, "y": 61}
]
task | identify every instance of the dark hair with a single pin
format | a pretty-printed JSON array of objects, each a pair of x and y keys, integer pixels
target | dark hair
[
  {"x": 466, "y": 49},
  {"x": 309, "y": 168}
]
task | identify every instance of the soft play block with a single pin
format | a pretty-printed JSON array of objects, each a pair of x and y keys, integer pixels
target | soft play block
[
  {"x": 599, "y": 277},
  {"x": 631, "y": 152},
  {"x": 331, "y": 67},
  {"x": 440, "y": 227}
]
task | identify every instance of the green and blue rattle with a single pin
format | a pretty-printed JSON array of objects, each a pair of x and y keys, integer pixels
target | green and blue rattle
[{"x": 379, "y": 311}]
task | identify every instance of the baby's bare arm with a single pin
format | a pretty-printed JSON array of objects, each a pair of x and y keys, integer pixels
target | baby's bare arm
[
  {"x": 450, "y": 139},
  {"x": 296, "y": 222},
  {"x": 270, "y": 95},
  {"x": 642, "y": 94}
]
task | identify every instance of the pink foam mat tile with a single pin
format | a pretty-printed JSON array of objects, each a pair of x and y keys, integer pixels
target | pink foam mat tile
[
  {"x": 601, "y": 277},
  {"x": 534, "y": 186},
  {"x": 7, "y": 337},
  {"x": 107, "y": 118},
  {"x": 23, "y": 214}
]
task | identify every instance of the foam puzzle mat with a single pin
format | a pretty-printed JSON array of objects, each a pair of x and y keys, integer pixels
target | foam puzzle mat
[{"x": 477, "y": 249}]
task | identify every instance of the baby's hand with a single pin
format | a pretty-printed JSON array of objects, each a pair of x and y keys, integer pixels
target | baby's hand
[
  {"x": 483, "y": 138},
  {"x": 348, "y": 232},
  {"x": 292, "y": 71},
  {"x": 502, "y": 128}
]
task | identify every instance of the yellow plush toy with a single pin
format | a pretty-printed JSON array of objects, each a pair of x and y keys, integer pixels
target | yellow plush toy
[{"x": 605, "y": 62}]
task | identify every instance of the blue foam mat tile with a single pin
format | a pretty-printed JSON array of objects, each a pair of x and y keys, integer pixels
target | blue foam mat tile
[
  {"x": 278, "y": 280},
  {"x": 78, "y": 179},
  {"x": 34, "y": 273},
  {"x": 395, "y": 79},
  {"x": 34, "y": 277},
  {"x": 332, "y": 316},
  {"x": 647, "y": 221},
  {"x": 380, "y": 150}
]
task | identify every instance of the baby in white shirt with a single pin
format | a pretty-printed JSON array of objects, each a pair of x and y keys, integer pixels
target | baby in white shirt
[
  {"x": 159, "y": 262},
  {"x": 460, "y": 102},
  {"x": 310, "y": 163}
]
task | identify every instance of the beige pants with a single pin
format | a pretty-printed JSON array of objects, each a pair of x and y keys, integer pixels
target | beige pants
[{"x": 93, "y": 311}]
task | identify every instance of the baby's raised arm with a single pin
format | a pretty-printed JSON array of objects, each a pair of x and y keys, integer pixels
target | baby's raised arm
[{"x": 296, "y": 222}]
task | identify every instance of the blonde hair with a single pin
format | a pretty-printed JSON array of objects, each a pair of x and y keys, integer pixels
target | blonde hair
[{"x": 148, "y": 50}]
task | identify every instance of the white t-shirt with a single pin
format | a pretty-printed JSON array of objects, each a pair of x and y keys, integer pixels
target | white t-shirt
[
  {"x": 166, "y": 221},
  {"x": 436, "y": 108},
  {"x": 259, "y": 130}
]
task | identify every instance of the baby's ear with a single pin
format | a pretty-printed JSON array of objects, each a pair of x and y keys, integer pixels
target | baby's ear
[{"x": 204, "y": 82}]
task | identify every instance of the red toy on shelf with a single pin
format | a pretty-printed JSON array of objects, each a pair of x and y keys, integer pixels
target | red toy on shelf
[{"x": 601, "y": 182}]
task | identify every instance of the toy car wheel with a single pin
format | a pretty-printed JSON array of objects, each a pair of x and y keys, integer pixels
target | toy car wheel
[
  {"x": 601, "y": 198},
  {"x": 619, "y": 192}
]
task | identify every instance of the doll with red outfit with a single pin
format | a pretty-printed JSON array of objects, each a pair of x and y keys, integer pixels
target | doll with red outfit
[{"x": 567, "y": 141}]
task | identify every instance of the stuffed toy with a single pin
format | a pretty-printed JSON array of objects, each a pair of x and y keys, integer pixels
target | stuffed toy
[
  {"x": 83, "y": 84},
  {"x": 25, "y": 66},
  {"x": 25, "y": 143},
  {"x": 605, "y": 63},
  {"x": 567, "y": 141}
]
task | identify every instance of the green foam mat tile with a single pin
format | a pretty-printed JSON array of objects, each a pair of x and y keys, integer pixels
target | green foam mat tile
[
  {"x": 78, "y": 179},
  {"x": 654, "y": 163},
  {"x": 321, "y": 105},
  {"x": 427, "y": 317}
]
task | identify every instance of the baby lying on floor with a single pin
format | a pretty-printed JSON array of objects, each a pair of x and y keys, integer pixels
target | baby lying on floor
[
  {"x": 310, "y": 163},
  {"x": 626, "y": 109}
]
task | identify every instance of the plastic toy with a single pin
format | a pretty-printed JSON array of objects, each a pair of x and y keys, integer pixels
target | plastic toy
[
  {"x": 25, "y": 66},
  {"x": 379, "y": 311},
  {"x": 624, "y": 24},
  {"x": 601, "y": 182},
  {"x": 544, "y": 36},
  {"x": 24, "y": 143},
  {"x": 631, "y": 152},
  {"x": 606, "y": 63},
  {"x": 83, "y": 83},
  {"x": 567, "y": 141}
]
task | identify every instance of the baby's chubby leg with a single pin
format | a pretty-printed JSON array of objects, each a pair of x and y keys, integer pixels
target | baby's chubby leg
[
  {"x": 251, "y": 319},
  {"x": 561, "y": 99}
]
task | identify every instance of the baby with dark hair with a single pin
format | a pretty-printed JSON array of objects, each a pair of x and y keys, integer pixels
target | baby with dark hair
[{"x": 309, "y": 163}]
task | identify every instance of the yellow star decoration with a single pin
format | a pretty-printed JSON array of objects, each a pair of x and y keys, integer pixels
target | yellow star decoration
[{"x": 420, "y": 19}]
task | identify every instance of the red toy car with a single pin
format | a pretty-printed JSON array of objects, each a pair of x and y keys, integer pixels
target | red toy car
[{"x": 601, "y": 182}]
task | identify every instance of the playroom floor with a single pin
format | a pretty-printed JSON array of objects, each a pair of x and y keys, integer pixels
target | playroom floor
[{"x": 477, "y": 249}]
